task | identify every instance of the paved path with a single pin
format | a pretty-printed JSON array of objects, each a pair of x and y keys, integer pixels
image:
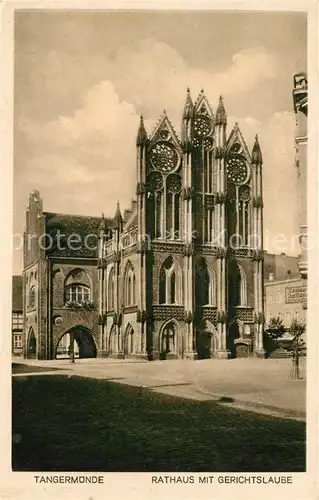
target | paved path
[{"x": 258, "y": 385}]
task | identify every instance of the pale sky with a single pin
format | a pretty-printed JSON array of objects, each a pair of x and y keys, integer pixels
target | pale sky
[{"x": 82, "y": 79}]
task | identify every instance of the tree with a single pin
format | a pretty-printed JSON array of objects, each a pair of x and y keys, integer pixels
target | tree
[
  {"x": 274, "y": 331},
  {"x": 297, "y": 329}
]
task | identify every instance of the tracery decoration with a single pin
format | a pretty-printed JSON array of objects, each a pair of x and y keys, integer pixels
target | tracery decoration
[
  {"x": 174, "y": 183},
  {"x": 237, "y": 170},
  {"x": 173, "y": 189},
  {"x": 154, "y": 182},
  {"x": 202, "y": 126},
  {"x": 208, "y": 143},
  {"x": 244, "y": 193},
  {"x": 164, "y": 157}
]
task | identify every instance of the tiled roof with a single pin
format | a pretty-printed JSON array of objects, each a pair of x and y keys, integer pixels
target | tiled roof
[
  {"x": 17, "y": 293},
  {"x": 131, "y": 222},
  {"x": 84, "y": 230}
]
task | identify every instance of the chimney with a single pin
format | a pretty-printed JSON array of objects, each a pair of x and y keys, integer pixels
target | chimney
[
  {"x": 133, "y": 205},
  {"x": 127, "y": 214}
]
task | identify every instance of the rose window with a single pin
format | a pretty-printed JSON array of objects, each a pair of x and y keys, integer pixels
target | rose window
[
  {"x": 237, "y": 170},
  {"x": 164, "y": 157},
  {"x": 202, "y": 126}
]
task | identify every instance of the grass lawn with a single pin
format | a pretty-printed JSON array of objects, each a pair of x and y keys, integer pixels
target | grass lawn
[{"x": 79, "y": 424}]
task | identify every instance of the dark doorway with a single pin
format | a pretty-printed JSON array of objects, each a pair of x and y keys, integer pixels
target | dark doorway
[
  {"x": 84, "y": 345},
  {"x": 242, "y": 351},
  {"x": 168, "y": 342},
  {"x": 204, "y": 345},
  {"x": 32, "y": 345},
  {"x": 233, "y": 334}
]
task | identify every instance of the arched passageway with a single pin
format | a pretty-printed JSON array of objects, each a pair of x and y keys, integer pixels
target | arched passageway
[{"x": 84, "y": 345}]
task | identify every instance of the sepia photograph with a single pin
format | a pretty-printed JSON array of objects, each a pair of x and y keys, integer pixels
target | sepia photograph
[{"x": 160, "y": 239}]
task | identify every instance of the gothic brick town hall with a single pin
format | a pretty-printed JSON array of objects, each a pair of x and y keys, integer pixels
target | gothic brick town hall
[{"x": 177, "y": 275}]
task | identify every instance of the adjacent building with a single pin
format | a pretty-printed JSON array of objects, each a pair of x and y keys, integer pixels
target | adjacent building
[
  {"x": 284, "y": 300},
  {"x": 177, "y": 275},
  {"x": 17, "y": 316},
  {"x": 300, "y": 100}
]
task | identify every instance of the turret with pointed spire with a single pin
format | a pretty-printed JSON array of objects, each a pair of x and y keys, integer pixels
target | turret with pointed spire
[
  {"x": 118, "y": 221},
  {"x": 188, "y": 113},
  {"x": 103, "y": 225},
  {"x": 141, "y": 134},
  {"x": 221, "y": 117},
  {"x": 189, "y": 106},
  {"x": 256, "y": 153}
]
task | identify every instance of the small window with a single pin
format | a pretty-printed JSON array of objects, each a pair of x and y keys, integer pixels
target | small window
[
  {"x": 17, "y": 340},
  {"x": 31, "y": 300},
  {"x": 77, "y": 293}
]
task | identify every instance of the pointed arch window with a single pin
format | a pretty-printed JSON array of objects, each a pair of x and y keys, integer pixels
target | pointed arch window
[
  {"x": 111, "y": 290},
  {"x": 168, "y": 284},
  {"x": 172, "y": 287},
  {"x": 237, "y": 286},
  {"x": 205, "y": 285},
  {"x": 134, "y": 290},
  {"x": 129, "y": 291},
  {"x": 244, "y": 214},
  {"x": 173, "y": 189},
  {"x": 154, "y": 185},
  {"x": 31, "y": 301},
  {"x": 129, "y": 286},
  {"x": 158, "y": 214}
]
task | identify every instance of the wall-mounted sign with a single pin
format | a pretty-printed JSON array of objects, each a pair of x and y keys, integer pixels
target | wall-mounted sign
[{"x": 296, "y": 294}]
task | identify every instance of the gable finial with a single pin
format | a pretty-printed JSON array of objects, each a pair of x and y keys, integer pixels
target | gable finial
[
  {"x": 189, "y": 106},
  {"x": 256, "y": 155},
  {"x": 118, "y": 217},
  {"x": 221, "y": 116},
  {"x": 141, "y": 133},
  {"x": 102, "y": 225}
]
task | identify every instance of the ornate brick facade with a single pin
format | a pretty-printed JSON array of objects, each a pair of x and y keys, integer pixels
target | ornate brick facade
[{"x": 180, "y": 275}]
